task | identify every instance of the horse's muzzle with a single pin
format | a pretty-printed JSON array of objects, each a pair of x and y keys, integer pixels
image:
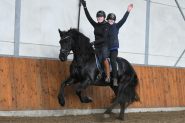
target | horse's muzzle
[{"x": 62, "y": 57}]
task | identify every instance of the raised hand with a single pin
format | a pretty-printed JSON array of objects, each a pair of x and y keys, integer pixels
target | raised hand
[{"x": 130, "y": 6}]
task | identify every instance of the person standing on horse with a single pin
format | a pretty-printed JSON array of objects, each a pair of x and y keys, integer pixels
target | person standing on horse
[
  {"x": 113, "y": 42},
  {"x": 101, "y": 29}
]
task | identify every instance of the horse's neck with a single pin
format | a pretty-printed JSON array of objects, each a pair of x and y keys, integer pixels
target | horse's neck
[
  {"x": 77, "y": 59},
  {"x": 83, "y": 52},
  {"x": 81, "y": 58}
]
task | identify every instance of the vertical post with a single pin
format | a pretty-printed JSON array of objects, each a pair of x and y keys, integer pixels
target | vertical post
[
  {"x": 17, "y": 27},
  {"x": 79, "y": 15},
  {"x": 147, "y": 31},
  {"x": 180, "y": 9}
]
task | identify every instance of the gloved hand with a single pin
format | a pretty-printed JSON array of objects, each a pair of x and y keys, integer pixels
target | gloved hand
[{"x": 83, "y": 3}]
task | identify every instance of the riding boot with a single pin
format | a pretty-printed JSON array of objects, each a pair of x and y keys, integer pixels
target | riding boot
[{"x": 107, "y": 71}]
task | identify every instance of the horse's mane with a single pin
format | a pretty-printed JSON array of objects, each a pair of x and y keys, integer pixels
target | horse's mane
[
  {"x": 81, "y": 43},
  {"x": 76, "y": 33}
]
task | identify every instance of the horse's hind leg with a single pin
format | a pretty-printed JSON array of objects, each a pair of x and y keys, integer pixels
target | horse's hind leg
[
  {"x": 109, "y": 110},
  {"x": 117, "y": 92},
  {"x": 80, "y": 88},
  {"x": 122, "y": 111}
]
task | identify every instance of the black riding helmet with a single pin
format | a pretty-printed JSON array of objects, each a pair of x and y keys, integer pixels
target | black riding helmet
[
  {"x": 100, "y": 14},
  {"x": 111, "y": 16}
]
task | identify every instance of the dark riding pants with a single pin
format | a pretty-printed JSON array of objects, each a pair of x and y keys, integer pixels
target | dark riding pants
[{"x": 113, "y": 56}]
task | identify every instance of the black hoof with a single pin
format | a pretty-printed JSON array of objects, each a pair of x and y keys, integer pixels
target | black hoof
[
  {"x": 61, "y": 101},
  {"x": 86, "y": 100},
  {"x": 120, "y": 118}
]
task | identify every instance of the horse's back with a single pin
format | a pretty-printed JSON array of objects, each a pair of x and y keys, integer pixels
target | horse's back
[{"x": 124, "y": 65}]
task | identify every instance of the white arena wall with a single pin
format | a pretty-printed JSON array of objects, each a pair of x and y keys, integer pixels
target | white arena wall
[{"x": 40, "y": 20}]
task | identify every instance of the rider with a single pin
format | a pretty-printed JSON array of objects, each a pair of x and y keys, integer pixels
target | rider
[
  {"x": 113, "y": 41},
  {"x": 101, "y": 32}
]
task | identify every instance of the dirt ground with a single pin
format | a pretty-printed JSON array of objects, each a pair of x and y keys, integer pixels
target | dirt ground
[{"x": 156, "y": 117}]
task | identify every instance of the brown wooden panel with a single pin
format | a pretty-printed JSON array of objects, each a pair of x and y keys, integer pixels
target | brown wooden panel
[
  {"x": 27, "y": 95},
  {"x": 6, "y": 78},
  {"x": 34, "y": 84}
]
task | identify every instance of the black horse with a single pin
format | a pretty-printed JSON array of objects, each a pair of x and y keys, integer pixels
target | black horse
[{"x": 83, "y": 70}]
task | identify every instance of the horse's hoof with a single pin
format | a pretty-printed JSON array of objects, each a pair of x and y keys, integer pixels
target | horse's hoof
[
  {"x": 120, "y": 118},
  {"x": 61, "y": 101},
  {"x": 86, "y": 100},
  {"x": 106, "y": 115}
]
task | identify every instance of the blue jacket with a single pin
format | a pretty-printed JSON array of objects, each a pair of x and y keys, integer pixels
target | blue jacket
[{"x": 113, "y": 41}]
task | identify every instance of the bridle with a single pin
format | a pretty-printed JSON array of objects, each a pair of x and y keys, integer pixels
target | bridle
[
  {"x": 66, "y": 37},
  {"x": 64, "y": 50}
]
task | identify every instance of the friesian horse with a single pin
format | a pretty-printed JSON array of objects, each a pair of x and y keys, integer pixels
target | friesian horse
[{"x": 83, "y": 70}]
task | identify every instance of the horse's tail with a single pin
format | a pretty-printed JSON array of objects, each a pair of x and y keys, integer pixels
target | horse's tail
[
  {"x": 134, "y": 82},
  {"x": 127, "y": 90}
]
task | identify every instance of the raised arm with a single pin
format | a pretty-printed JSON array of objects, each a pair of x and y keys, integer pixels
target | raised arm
[
  {"x": 122, "y": 21},
  {"x": 93, "y": 23}
]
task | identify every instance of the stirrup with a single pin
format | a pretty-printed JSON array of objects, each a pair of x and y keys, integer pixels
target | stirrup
[
  {"x": 107, "y": 79},
  {"x": 115, "y": 82},
  {"x": 99, "y": 76}
]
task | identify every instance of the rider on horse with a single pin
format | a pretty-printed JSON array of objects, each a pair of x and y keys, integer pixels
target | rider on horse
[
  {"x": 113, "y": 40},
  {"x": 101, "y": 33}
]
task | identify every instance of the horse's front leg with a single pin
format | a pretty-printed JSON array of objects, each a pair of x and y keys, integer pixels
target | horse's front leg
[
  {"x": 82, "y": 86},
  {"x": 61, "y": 91}
]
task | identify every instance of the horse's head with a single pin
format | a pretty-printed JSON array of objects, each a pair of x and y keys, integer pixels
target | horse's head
[
  {"x": 73, "y": 40},
  {"x": 65, "y": 44}
]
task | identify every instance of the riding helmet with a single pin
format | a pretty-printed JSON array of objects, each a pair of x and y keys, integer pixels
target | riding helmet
[
  {"x": 111, "y": 16},
  {"x": 100, "y": 14}
]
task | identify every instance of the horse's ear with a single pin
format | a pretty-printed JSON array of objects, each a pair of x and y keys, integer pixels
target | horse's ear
[{"x": 60, "y": 32}]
